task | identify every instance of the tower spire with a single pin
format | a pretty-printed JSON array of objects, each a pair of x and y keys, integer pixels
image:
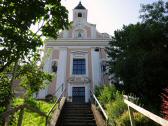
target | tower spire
[{"x": 80, "y": 6}]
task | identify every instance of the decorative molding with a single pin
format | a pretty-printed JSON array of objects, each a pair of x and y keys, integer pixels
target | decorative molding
[
  {"x": 79, "y": 51},
  {"x": 78, "y": 43},
  {"x": 78, "y": 80}
]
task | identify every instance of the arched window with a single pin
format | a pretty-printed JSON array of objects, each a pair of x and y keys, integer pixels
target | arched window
[{"x": 79, "y": 14}]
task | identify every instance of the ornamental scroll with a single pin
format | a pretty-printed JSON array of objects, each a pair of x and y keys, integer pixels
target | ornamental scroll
[{"x": 78, "y": 80}]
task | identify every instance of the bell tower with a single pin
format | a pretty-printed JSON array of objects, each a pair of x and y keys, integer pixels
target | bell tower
[{"x": 80, "y": 14}]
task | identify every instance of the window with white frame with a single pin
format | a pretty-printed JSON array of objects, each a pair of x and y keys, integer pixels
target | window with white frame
[{"x": 79, "y": 67}]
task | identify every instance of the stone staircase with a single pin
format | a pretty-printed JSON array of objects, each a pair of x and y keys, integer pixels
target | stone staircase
[{"x": 77, "y": 114}]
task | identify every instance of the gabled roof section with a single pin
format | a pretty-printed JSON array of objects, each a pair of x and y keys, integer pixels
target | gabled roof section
[{"x": 80, "y": 6}]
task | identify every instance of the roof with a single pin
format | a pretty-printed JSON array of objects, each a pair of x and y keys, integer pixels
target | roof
[{"x": 79, "y": 6}]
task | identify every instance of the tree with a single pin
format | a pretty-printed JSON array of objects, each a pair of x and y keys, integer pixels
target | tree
[
  {"x": 32, "y": 79},
  {"x": 4, "y": 91},
  {"x": 18, "y": 42},
  {"x": 16, "y": 19},
  {"x": 138, "y": 54}
]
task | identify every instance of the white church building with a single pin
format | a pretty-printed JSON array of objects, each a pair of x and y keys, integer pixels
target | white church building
[{"x": 77, "y": 58}]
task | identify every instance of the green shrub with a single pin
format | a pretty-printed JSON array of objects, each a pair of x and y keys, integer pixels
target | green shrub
[
  {"x": 117, "y": 107},
  {"x": 98, "y": 90},
  {"x": 123, "y": 120},
  {"x": 139, "y": 119},
  {"x": 106, "y": 94},
  {"x": 112, "y": 101}
]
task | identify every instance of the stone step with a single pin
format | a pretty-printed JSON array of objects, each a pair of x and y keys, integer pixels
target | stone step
[
  {"x": 73, "y": 107},
  {"x": 77, "y": 111},
  {"x": 76, "y": 114},
  {"x": 79, "y": 117},
  {"x": 77, "y": 106},
  {"x": 81, "y": 120},
  {"x": 78, "y": 124}
]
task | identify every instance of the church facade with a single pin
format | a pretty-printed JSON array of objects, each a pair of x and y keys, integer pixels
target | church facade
[{"x": 77, "y": 58}]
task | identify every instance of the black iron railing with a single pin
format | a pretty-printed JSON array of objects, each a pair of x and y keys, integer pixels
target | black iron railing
[{"x": 57, "y": 102}]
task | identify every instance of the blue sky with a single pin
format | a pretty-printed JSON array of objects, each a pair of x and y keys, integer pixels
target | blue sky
[{"x": 109, "y": 15}]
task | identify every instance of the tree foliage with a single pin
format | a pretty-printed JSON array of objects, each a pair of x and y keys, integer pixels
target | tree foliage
[
  {"x": 33, "y": 78},
  {"x": 4, "y": 90},
  {"x": 138, "y": 54},
  {"x": 16, "y": 18},
  {"x": 19, "y": 43},
  {"x": 164, "y": 106}
]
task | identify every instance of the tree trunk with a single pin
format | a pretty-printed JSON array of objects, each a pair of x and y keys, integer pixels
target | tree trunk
[
  {"x": 21, "y": 114},
  {"x": 7, "y": 119}
]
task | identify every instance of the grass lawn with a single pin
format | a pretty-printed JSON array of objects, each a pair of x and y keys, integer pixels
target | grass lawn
[{"x": 30, "y": 118}]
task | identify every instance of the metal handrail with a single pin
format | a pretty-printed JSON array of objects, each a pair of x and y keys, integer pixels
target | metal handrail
[
  {"x": 61, "y": 86},
  {"x": 57, "y": 102},
  {"x": 100, "y": 106},
  {"x": 143, "y": 111}
]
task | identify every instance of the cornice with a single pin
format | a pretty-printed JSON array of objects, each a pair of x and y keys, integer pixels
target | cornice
[{"x": 85, "y": 42}]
